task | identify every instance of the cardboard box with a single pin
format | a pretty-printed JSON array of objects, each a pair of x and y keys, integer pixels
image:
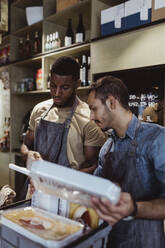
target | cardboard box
[
  {"x": 63, "y": 4},
  {"x": 158, "y": 10},
  {"x": 112, "y": 20},
  {"x": 137, "y": 13}
]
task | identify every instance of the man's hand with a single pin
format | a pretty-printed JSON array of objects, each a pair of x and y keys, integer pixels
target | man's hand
[
  {"x": 113, "y": 213},
  {"x": 32, "y": 156}
]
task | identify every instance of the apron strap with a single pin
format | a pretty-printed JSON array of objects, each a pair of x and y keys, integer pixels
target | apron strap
[
  {"x": 68, "y": 120},
  {"x": 66, "y": 125}
]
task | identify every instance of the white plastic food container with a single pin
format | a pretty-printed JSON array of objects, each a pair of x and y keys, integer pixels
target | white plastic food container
[
  {"x": 69, "y": 184},
  {"x": 48, "y": 229}
]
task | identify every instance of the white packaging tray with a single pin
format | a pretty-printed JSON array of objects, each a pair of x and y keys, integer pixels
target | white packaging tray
[
  {"x": 36, "y": 238},
  {"x": 69, "y": 184}
]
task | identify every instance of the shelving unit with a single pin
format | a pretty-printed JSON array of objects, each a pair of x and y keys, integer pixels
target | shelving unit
[{"x": 129, "y": 50}]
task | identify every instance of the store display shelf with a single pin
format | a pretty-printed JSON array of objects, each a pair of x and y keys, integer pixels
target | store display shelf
[
  {"x": 24, "y": 3},
  {"x": 5, "y": 67},
  {"x": 34, "y": 92},
  {"x": 73, "y": 12},
  {"x": 71, "y": 50},
  {"x": 22, "y": 32},
  {"x": 120, "y": 33},
  {"x": 45, "y": 91},
  {"x": 36, "y": 60}
]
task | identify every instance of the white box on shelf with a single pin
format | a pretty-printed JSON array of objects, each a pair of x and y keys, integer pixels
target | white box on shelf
[
  {"x": 34, "y": 14},
  {"x": 112, "y": 20},
  {"x": 158, "y": 10},
  {"x": 137, "y": 13}
]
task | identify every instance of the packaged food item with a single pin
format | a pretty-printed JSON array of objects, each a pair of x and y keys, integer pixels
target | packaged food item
[{"x": 39, "y": 82}]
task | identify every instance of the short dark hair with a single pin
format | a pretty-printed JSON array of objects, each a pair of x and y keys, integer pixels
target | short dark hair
[
  {"x": 110, "y": 85},
  {"x": 65, "y": 66}
]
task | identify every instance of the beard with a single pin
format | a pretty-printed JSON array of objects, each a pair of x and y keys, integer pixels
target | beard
[{"x": 67, "y": 103}]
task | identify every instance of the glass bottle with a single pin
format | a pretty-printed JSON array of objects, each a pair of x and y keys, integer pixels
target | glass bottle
[
  {"x": 37, "y": 44},
  {"x": 53, "y": 40},
  {"x": 88, "y": 70},
  {"x": 28, "y": 46},
  {"x": 47, "y": 43},
  {"x": 57, "y": 42},
  {"x": 69, "y": 34},
  {"x": 83, "y": 71},
  {"x": 50, "y": 41},
  {"x": 49, "y": 77},
  {"x": 80, "y": 31},
  {"x": 20, "y": 48}
]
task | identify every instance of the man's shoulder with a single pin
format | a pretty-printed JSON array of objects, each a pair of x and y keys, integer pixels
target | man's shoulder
[
  {"x": 44, "y": 105},
  {"x": 82, "y": 110},
  {"x": 151, "y": 130}
]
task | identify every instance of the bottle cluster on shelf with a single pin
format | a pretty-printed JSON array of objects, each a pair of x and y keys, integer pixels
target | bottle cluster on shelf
[
  {"x": 79, "y": 36},
  {"x": 4, "y": 55},
  {"x": 52, "y": 41},
  {"x": 29, "y": 46}
]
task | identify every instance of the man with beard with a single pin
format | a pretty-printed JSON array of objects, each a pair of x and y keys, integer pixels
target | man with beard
[
  {"x": 134, "y": 158},
  {"x": 60, "y": 129}
]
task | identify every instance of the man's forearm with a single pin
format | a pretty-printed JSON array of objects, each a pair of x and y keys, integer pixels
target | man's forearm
[{"x": 154, "y": 209}]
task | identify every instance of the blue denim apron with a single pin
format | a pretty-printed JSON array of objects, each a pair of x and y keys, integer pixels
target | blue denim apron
[
  {"x": 51, "y": 139},
  {"x": 120, "y": 167}
]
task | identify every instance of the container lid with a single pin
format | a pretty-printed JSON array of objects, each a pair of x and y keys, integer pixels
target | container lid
[{"x": 70, "y": 184}]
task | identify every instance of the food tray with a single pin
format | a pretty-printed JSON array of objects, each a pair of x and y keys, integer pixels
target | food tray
[
  {"x": 96, "y": 238},
  {"x": 45, "y": 228}
]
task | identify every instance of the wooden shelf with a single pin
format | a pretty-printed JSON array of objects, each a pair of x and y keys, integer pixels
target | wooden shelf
[
  {"x": 32, "y": 92},
  {"x": 22, "y": 32},
  {"x": 113, "y": 2},
  {"x": 72, "y": 50},
  {"x": 4, "y": 67},
  {"x": 84, "y": 88},
  {"x": 73, "y": 12},
  {"x": 24, "y": 3},
  {"x": 36, "y": 61}
]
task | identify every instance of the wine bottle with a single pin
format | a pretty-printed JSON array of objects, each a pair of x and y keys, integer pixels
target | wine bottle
[
  {"x": 20, "y": 48},
  {"x": 49, "y": 77},
  {"x": 89, "y": 71},
  {"x": 57, "y": 43},
  {"x": 83, "y": 71},
  {"x": 37, "y": 44},
  {"x": 27, "y": 46},
  {"x": 80, "y": 31},
  {"x": 69, "y": 34},
  {"x": 51, "y": 41},
  {"x": 47, "y": 43}
]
